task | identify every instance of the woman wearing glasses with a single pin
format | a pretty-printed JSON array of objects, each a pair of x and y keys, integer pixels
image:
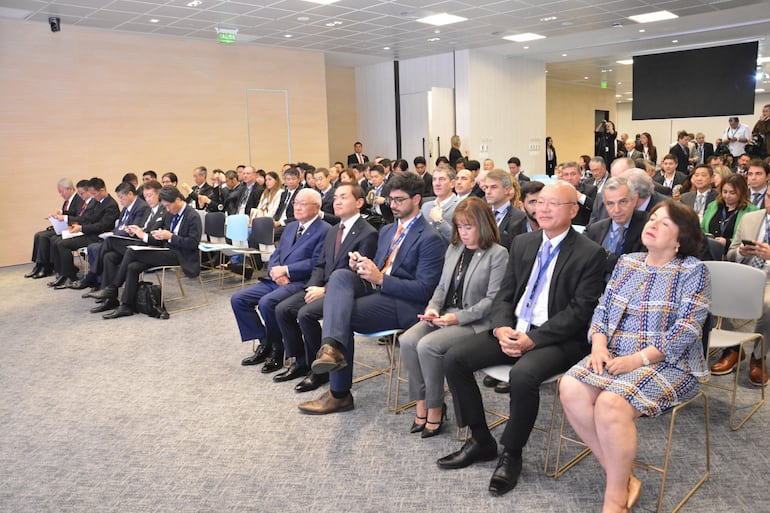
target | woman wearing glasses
[{"x": 474, "y": 265}]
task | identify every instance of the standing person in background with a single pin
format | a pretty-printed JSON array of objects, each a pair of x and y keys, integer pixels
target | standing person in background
[
  {"x": 648, "y": 148},
  {"x": 604, "y": 141},
  {"x": 550, "y": 156},
  {"x": 736, "y": 136},
  {"x": 455, "y": 153},
  {"x": 357, "y": 157},
  {"x": 762, "y": 127}
]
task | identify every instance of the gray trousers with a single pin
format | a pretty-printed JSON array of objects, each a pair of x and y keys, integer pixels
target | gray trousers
[{"x": 422, "y": 350}]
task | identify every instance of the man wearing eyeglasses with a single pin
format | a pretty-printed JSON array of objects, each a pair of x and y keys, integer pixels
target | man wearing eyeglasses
[
  {"x": 289, "y": 268},
  {"x": 540, "y": 318},
  {"x": 620, "y": 233},
  {"x": 387, "y": 292}
]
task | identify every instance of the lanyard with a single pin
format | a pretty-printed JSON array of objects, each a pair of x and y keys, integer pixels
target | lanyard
[
  {"x": 536, "y": 287},
  {"x": 400, "y": 238}
]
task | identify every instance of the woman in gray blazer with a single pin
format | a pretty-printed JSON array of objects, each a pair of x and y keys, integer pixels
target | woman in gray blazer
[{"x": 473, "y": 270}]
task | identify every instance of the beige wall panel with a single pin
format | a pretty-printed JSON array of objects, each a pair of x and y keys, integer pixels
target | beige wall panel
[
  {"x": 80, "y": 103},
  {"x": 570, "y": 117},
  {"x": 342, "y": 114}
]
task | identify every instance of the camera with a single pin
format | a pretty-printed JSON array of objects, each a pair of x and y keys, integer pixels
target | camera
[{"x": 55, "y": 23}]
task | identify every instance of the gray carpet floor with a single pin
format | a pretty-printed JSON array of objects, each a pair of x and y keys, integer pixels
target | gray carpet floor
[{"x": 146, "y": 415}]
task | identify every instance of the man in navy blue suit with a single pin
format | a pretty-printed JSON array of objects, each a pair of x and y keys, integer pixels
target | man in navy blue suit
[
  {"x": 289, "y": 268},
  {"x": 299, "y": 315},
  {"x": 373, "y": 295}
]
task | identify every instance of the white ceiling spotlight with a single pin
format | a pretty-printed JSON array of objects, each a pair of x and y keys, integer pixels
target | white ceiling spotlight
[
  {"x": 653, "y": 16},
  {"x": 523, "y": 38},
  {"x": 442, "y": 19}
]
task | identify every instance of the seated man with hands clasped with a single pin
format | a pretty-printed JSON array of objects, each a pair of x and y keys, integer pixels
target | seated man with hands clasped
[{"x": 646, "y": 347}]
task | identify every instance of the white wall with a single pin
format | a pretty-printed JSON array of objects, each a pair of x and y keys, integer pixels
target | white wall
[
  {"x": 376, "y": 106},
  {"x": 501, "y": 104},
  {"x": 663, "y": 131}
]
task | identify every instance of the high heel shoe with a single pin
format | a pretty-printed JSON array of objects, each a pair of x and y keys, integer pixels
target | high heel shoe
[
  {"x": 634, "y": 491},
  {"x": 427, "y": 432},
  {"x": 417, "y": 427}
]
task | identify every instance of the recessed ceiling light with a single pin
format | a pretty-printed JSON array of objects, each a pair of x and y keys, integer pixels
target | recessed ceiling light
[
  {"x": 330, "y": 24},
  {"x": 566, "y": 23},
  {"x": 620, "y": 83},
  {"x": 618, "y": 96},
  {"x": 433, "y": 39},
  {"x": 653, "y": 16},
  {"x": 642, "y": 30},
  {"x": 674, "y": 40},
  {"x": 548, "y": 18},
  {"x": 526, "y": 47},
  {"x": 585, "y": 78},
  {"x": 442, "y": 19},
  {"x": 386, "y": 48},
  {"x": 154, "y": 20},
  {"x": 194, "y": 3},
  {"x": 303, "y": 18},
  {"x": 564, "y": 55},
  {"x": 322, "y": 2},
  {"x": 287, "y": 35},
  {"x": 626, "y": 61},
  {"x": 521, "y": 38},
  {"x": 437, "y": 31}
]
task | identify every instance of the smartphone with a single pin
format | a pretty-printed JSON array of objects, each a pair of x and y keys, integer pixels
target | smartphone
[
  {"x": 748, "y": 242},
  {"x": 426, "y": 317}
]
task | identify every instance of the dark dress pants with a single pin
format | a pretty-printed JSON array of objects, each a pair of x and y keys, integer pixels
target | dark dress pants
[
  {"x": 298, "y": 320},
  {"x": 41, "y": 247},
  {"x": 266, "y": 295},
  {"x": 350, "y": 305},
  {"x": 61, "y": 252},
  {"x": 527, "y": 374},
  {"x": 136, "y": 262}
]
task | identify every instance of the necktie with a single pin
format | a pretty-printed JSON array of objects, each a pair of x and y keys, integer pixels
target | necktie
[
  {"x": 498, "y": 217},
  {"x": 123, "y": 217},
  {"x": 175, "y": 222},
  {"x": 699, "y": 201},
  {"x": 393, "y": 248},
  {"x": 83, "y": 209},
  {"x": 618, "y": 239},
  {"x": 338, "y": 241},
  {"x": 66, "y": 206},
  {"x": 360, "y": 158},
  {"x": 299, "y": 233},
  {"x": 755, "y": 198},
  {"x": 700, "y": 154}
]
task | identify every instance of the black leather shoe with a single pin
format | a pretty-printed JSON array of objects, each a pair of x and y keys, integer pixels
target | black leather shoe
[
  {"x": 43, "y": 273},
  {"x": 57, "y": 282},
  {"x": 88, "y": 294},
  {"x": 66, "y": 285},
  {"x": 272, "y": 364},
  {"x": 106, "y": 306},
  {"x": 503, "y": 387},
  {"x": 311, "y": 382},
  {"x": 469, "y": 454},
  {"x": 260, "y": 355},
  {"x": 34, "y": 271},
  {"x": 506, "y": 474},
  {"x": 81, "y": 284},
  {"x": 490, "y": 382},
  {"x": 122, "y": 311},
  {"x": 293, "y": 372},
  {"x": 105, "y": 293}
]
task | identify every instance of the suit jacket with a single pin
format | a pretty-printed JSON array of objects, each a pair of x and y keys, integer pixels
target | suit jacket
[
  {"x": 427, "y": 190},
  {"x": 688, "y": 198},
  {"x": 679, "y": 178},
  {"x": 513, "y": 224},
  {"x": 444, "y": 227},
  {"x": 682, "y": 157},
  {"x": 300, "y": 257},
  {"x": 362, "y": 238},
  {"x": 74, "y": 207},
  {"x": 152, "y": 221},
  {"x": 480, "y": 285},
  {"x": 387, "y": 213},
  {"x": 415, "y": 270},
  {"x": 632, "y": 241},
  {"x": 185, "y": 242},
  {"x": 353, "y": 159},
  {"x": 205, "y": 189},
  {"x": 252, "y": 201},
  {"x": 584, "y": 213},
  {"x": 522, "y": 178},
  {"x": 327, "y": 205},
  {"x": 286, "y": 204},
  {"x": 229, "y": 198},
  {"x": 636, "y": 154},
  {"x": 99, "y": 217},
  {"x": 747, "y": 229},
  {"x": 136, "y": 216},
  {"x": 478, "y": 191},
  {"x": 576, "y": 284},
  {"x": 708, "y": 150}
]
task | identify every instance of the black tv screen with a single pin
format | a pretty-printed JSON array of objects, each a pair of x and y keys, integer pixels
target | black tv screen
[{"x": 718, "y": 81}]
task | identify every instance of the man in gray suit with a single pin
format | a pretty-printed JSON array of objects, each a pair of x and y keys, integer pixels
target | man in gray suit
[
  {"x": 440, "y": 210},
  {"x": 702, "y": 193}
]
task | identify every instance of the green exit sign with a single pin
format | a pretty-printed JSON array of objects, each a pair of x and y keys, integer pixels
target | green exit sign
[
  {"x": 604, "y": 84},
  {"x": 226, "y": 37}
]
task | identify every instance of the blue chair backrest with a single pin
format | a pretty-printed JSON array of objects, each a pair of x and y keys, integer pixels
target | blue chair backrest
[{"x": 238, "y": 227}]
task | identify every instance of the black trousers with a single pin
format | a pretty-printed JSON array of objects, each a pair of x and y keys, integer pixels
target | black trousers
[
  {"x": 527, "y": 374},
  {"x": 61, "y": 252},
  {"x": 41, "y": 247},
  {"x": 136, "y": 262},
  {"x": 299, "y": 322}
]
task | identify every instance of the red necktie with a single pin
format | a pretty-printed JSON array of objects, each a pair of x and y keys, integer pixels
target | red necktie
[
  {"x": 360, "y": 158},
  {"x": 338, "y": 242},
  {"x": 85, "y": 204}
]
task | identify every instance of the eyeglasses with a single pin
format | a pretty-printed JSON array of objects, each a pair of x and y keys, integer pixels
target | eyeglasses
[
  {"x": 398, "y": 201},
  {"x": 553, "y": 203}
]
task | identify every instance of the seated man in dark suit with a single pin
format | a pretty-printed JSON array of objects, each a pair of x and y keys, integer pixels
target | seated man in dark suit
[
  {"x": 373, "y": 295},
  {"x": 289, "y": 268},
  {"x": 322, "y": 184},
  {"x": 98, "y": 217},
  {"x": 539, "y": 318},
  {"x": 421, "y": 168},
  {"x": 72, "y": 206},
  {"x": 702, "y": 193},
  {"x": 514, "y": 167},
  {"x": 298, "y": 315},
  {"x": 285, "y": 213},
  {"x": 202, "y": 194},
  {"x": 179, "y": 237},
  {"x": 250, "y": 194},
  {"x": 230, "y": 192},
  {"x": 110, "y": 252},
  {"x": 669, "y": 176},
  {"x": 586, "y": 194},
  {"x": 379, "y": 212},
  {"x": 501, "y": 192},
  {"x": 135, "y": 211},
  {"x": 620, "y": 233}
]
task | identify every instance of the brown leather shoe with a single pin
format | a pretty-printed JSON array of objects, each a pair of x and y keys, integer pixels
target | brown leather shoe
[
  {"x": 726, "y": 364},
  {"x": 327, "y": 403},
  {"x": 328, "y": 359},
  {"x": 757, "y": 373}
]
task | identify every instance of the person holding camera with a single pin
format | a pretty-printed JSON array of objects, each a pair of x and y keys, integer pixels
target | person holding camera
[{"x": 736, "y": 136}]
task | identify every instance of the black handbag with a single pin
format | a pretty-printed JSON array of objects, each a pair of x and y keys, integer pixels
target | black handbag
[{"x": 148, "y": 300}]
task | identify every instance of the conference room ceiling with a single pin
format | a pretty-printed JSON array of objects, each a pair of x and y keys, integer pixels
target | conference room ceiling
[{"x": 582, "y": 38}]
